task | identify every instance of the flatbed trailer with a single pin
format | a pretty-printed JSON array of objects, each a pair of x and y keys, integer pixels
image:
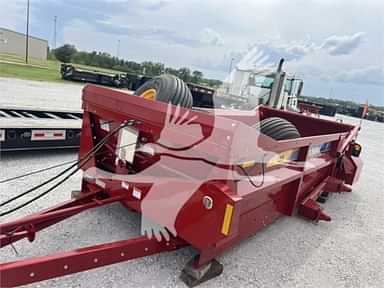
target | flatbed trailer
[
  {"x": 25, "y": 128},
  {"x": 123, "y": 141},
  {"x": 31, "y": 128},
  {"x": 73, "y": 73}
]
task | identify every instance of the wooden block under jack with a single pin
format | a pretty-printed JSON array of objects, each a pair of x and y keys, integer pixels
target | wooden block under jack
[
  {"x": 192, "y": 276},
  {"x": 76, "y": 194}
]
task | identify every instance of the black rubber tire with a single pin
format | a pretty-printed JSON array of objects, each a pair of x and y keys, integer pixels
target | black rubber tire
[
  {"x": 278, "y": 128},
  {"x": 67, "y": 74},
  {"x": 168, "y": 89}
]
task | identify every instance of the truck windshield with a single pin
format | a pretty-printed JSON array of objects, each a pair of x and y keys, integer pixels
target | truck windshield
[{"x": 261, "y": 81}]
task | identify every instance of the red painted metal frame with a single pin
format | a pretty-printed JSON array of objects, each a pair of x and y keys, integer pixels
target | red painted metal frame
[
  {"x": 40, "y": 268},
  {"x": 60, "y": 264},
  {"x": 27, "y": 227},
  {"x": 309, "y": 108},
  {"x": 297, "y": 187}
]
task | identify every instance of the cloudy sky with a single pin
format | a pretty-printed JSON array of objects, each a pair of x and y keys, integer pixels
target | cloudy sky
[{"x": 336, "y": 46}]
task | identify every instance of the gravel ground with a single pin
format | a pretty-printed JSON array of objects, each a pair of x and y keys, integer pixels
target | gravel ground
[
  {"x": 292, "y": 252},
  {"x": 40, "y": 94}
]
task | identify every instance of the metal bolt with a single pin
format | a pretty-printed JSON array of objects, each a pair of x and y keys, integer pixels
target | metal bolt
[
  {"x": 95, "y": 260},
  {"x": 146, "y": 249},
  {"x": 167, "y": 243},
  {"x": 207, "y": 202},
  {"x": 65, "y": 267},
  {"x": 122, "y": 254},
  {"x": 32, "y": 274}
]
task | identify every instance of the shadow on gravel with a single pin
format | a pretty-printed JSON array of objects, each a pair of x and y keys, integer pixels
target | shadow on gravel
[
  {"x": 33, "y": 154},
  {"x": 277, "y": 251}
]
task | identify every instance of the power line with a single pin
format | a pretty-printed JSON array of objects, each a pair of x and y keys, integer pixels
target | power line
[
  {"x": 118, "y": 48},
  {"x": 230, "y": 65}
]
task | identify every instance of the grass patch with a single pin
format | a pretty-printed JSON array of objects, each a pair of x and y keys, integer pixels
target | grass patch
[
  {"x": 29, "y": 72},
  {"x": 14, "y": 66}
]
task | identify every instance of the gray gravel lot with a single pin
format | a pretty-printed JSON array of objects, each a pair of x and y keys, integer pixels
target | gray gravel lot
[
  {"x": 40, "y": 94},
  {"x": 292, "y": 252}
]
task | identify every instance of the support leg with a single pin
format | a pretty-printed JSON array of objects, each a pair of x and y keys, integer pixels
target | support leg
[{"x": 193, "y": 276}]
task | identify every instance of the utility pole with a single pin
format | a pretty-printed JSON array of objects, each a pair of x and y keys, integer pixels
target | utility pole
[
  {"x": 54, "y": 31},
  {"x": 27, "y": 34},
  {"x": 230, "y": 65},
  {"x": 118, "y": 48}
]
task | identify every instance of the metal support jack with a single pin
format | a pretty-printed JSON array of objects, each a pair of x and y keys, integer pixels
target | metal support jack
[{"x": 193, "y": 276}]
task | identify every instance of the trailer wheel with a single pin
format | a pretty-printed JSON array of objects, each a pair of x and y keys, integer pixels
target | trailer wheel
[
  {"x": 67, "y": 72},
  {"x": 278, "y": 128},
  {"x": 166, "y": 88}
]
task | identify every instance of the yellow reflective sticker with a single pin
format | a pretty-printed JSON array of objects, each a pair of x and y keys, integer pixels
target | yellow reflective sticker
[
  {"x": 247, "y": 164},
  {"x": 227, "y": 219},
  {"x": 280, "y": 158}
]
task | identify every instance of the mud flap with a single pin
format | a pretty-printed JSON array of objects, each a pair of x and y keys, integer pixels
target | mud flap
[{"x": 352, "y": 169}]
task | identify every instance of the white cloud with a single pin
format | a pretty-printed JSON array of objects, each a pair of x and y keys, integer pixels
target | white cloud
[
  {"x": 206, "y": 35},
  {"x": 149, "y": 32},
  {"x": 267, "y": 54},
  {"x": 155, "y": 4},
  {"x": 211, "y": 37},
  {"x": 12, "y": 14},
  {"x": 342, "y": 45},
  {"x": 370, "y": 75}
]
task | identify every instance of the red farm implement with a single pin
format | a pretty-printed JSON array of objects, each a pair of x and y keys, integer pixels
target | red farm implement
[{"x": 205, "y": 177}]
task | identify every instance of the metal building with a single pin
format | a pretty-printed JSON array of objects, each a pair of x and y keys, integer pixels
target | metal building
[{"x": 13, "y": 42}]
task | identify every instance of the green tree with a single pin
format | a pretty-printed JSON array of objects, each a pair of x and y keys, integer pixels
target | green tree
[
  {"x": 185, "y": 74},
  {"x": 171, "y": 71},
  {"x": 68, "y": 53},
  {"x": 65, "y": 53},
  {"x": 197, "y": 76},
  {"x": 82, "y": 58},
  {"x": 152, "y": 69}
]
